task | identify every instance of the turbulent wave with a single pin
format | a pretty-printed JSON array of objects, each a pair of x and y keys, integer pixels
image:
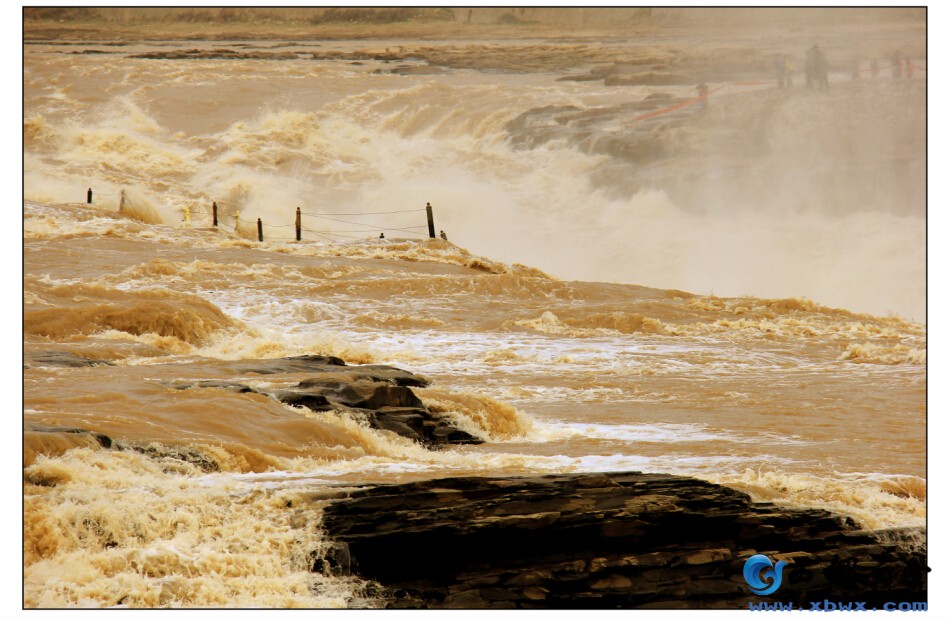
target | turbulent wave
[
  {"x": 487, "y": 418},
  {"x": 874, "y": 501},
  {"x": 792, "y": 367},
  {"x": 761, "y": 220},
  {"x": 124, "y": 530},
  {"x": 885, "y": 355},
  {"x": 596, "y": 324},
  {"x": 159, "y": 312}
]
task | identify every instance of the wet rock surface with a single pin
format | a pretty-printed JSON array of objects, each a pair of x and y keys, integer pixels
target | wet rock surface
[
  {"x": 60, "y": 358},
  {"x": 312, "y": 363},
  {"x": 615, "y": 540},
  {"x": 379, "y": 394},
  {"x": 102, "y": 440},
  {"x": 57, "y": 439},
  {"x": 217, "y": 54}
]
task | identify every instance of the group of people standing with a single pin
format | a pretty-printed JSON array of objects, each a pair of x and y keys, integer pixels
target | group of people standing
[
  {"x": 816, "y": 68},
  {"x": 901, "y": 66}
]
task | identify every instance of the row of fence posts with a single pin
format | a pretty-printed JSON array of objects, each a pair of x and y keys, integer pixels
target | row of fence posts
[
  {"x": 121, "y": 198},
  {"x": 260, "y": 224},
  {"x": 298, "y": 227}
]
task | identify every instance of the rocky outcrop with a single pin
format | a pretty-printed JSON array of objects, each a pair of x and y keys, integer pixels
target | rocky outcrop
[
  {"x": 85, "y": 435},
  {"x": 218, "y": 54},
  {"x": 617, "y": 540},
  {"x": 380, "y": 394},
  {"x": 408, "y": 69},
  {"x": 49, "y": 440},
  {"x": 60, "y": 358},
  {"x": 313, "y": 363},
  {"x": 385, "y": 407}
]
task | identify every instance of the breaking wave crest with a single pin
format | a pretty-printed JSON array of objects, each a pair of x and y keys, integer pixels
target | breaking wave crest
[
  {"x": 125, "y": 530},
  {"x": 60, "y": 311}
]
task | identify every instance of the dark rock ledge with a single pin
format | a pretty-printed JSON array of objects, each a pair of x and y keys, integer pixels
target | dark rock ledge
[
  {"x": 616, "y": 540},
  {"x": 378, "y": 393},
  {"x": 60, "y": 358},
  {"x": 71, "y": 437}
]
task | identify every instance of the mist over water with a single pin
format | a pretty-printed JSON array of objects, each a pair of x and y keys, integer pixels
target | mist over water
[
  {"x": 764, "y": 192},
  {"x": 632, "y": 280}
]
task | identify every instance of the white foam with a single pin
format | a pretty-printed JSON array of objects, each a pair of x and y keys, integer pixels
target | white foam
[{"x": 546, "y": 431}]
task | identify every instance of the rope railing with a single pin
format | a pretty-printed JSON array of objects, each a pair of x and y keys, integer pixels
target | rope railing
[
  {"x": 120, "y": 195},
  {"x": 243, "y": 226},
  {"x": 358, "y": 214},
  {"x": 374, "y": 227},
  {"x": 325, "y": 233}
]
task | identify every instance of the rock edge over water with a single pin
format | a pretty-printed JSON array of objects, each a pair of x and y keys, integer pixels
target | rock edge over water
[
  {"x": 613, "y": 540},
  {"x": 380, "y": 394}
]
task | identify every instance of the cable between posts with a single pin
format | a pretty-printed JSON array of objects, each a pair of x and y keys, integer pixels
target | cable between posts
[
  {"x": 358, "y": 214},
  {"x": 409, "y": 229}
]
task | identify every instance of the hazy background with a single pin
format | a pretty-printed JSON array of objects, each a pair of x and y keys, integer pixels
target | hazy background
[{"x": 521, "y": 125}]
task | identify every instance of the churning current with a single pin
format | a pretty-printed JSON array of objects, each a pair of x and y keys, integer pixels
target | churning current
[{"x": 636, "y": 274}]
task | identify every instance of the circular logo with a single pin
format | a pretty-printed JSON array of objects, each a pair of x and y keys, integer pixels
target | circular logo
[{"x": 759, "y": 570}]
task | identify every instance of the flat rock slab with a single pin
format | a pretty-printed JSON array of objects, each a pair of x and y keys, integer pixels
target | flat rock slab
[
  {"x": 101, "y": 439},
  {"x": 615, "y": 540},
  {"x": 317, "y": 364},
  {"x": 60, "y": 358},
  {"x": 380, "y": 394},
  {"x": 219, "y": 54},
  {"x": 63, "y": 438}
]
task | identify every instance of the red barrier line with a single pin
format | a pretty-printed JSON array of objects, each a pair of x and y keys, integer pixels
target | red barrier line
[
  {"x": 678, "y": 105},
  {"x": 682, "y": 104}
]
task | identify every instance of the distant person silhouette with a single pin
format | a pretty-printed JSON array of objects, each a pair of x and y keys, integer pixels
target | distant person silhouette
[
  {"x": 783, "y": 70},
  {"x": 810, "y": 67},
  {"x": 442, "y": 235},
  {"x": 381, "y": 235},
  {"x": 703, "y": 91},
  {"x": 780, "y": 72},
  {"x": 897, "y": 64},
  {"x": 816, "y": 69}
]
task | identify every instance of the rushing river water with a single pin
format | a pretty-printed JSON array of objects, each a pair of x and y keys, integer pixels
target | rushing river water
[{"x": 674, "y": 314}]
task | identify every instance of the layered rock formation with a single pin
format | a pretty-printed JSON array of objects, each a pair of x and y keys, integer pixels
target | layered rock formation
[
  {"x": 378, "y": 393},
  {"x": 617, "y": 540}
]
